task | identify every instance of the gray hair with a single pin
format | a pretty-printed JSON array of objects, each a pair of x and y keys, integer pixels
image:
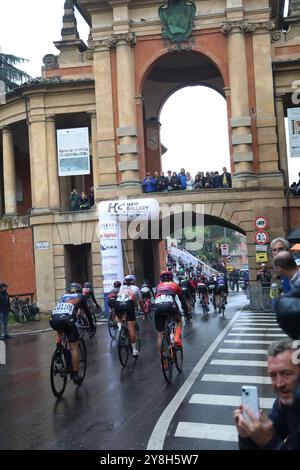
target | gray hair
[
  {"x": 285, "y": 242},
  {"x": 278, "y": 347}
]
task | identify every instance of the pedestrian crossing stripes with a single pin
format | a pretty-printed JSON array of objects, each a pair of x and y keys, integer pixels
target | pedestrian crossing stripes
[
  {"x": 242, "y": 351},
  {"x": 274, "y": 335},
  {"x": 238, "y": 362},
  {"x": 226, "y": 400},
  {"x": 249, "y": 328},
  {"x": 216, "y": 432},
  {"x": 248, "y": 379},
  {"x": 256, "y": 323},
  {"x": 247, "y": 341}
]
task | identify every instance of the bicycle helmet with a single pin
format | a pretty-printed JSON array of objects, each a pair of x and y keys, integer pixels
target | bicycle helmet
[
  {"x": 166, "y": 276},
  {"x": 75, "y": 287},
  {"x": 129, "y": 279},
  {"x": 88, "y": 285},
  {"x": 117, "y": 284}
]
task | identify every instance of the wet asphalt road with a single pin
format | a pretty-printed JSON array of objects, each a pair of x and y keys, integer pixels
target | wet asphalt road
[{"x": 115, "y": 408}]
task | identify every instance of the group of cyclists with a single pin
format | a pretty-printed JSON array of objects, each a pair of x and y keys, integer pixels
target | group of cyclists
[{"x": 127, "y": 298}]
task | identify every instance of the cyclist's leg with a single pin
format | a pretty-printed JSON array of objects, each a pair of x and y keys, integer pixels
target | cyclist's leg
[
  {"x": 74, "y": 346},
  {"x": 160, "y": 319},
  {"x": 177, "y": 338},
  {"x": 131, "y": 328}
]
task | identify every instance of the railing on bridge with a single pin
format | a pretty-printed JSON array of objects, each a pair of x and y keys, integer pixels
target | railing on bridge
[{"x": 189, "y": 258}]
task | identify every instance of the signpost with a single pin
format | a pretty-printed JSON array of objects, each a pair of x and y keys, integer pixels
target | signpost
[
  {"x": 261, "y": 238},
  {"x": 229, "y": 259},
  {"x": 261, "y": 257}
]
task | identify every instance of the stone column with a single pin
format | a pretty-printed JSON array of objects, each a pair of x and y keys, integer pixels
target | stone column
[
  {"x": 240, "y": 120},
  {"x": 39, "y": 164},
  {"x": 106, "y": 151},
  {"x": 54, "y": 200},
  {"x": 282, "y": 137},
  {"x": 9, "y": 173},
  {"x": 127, "y": 131}
]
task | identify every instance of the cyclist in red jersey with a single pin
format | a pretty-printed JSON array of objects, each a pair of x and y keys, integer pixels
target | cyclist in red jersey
[{"x": 166, "y": 306}]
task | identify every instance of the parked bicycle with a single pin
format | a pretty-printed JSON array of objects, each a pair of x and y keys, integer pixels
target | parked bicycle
[
  {"x": 24, "y": 310},
  {"x": 170, "y": 354},
  {"x": 61, "y": 366},
  {"x": 124, "y": 345}
]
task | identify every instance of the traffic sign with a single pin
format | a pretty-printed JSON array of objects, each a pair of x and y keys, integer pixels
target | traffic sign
[
  {"x": 261, "y": 257},
  {"x": 261, "y": 222},
  {"x": 229, "y": 258},
  {"x": 261, "y": 238},
  {"x": 224, "y": 249}
]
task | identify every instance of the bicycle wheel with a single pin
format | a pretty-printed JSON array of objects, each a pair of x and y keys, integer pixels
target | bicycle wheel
[
  {"x": 112, "y": 327},
  {"x": 82, "y": 324},
  {"x": 123, "y": 345},
  {"x": 178, "y": 353},
  {"x": 166, "y": 358},
  {"x": 82, "y": 360},
  {"x": 58, "y": 372},
  {"x": 92, "y": 331}
]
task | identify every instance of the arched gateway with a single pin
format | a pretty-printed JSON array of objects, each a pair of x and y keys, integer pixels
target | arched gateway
[{"x": 139, "y": 53}]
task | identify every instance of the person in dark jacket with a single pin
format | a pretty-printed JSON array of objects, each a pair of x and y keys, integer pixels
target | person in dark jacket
[
  {"x": 175, "y": 182},
  {"x": 149, "y": 184},
  {"x": 281, "y": 430},
  {"x": 4, "y": 310},
  {"x": 162, "y": 183},
  {"x": 225, "y": 179}
]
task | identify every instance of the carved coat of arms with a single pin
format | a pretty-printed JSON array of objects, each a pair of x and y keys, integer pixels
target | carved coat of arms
[{"x": 177, "y": 18}]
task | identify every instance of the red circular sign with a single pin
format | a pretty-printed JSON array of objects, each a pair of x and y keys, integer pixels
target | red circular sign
[
  {"x": 261, "y": 223},
  {"x": 261, "y": 238}
]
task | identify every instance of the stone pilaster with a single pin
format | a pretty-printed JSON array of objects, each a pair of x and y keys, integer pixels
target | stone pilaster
[
  {"x": 240, "y": 121},
  {"x": 265, "y": 112},
  {"x": 54, "y": 200},
  {"x": 39, "y": 164},
  {"x": 9, "y": 172},
  {"x": 94, "y": 148},
  {"x": 127, "y": 130},
  {"x": 106, "y": 152}
]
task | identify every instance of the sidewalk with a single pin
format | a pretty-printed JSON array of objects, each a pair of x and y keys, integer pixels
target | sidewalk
[{"x": 35, "y": 327}]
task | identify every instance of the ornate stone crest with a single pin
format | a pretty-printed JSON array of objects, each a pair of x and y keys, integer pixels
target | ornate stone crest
[{"x": 177, "y": 18}]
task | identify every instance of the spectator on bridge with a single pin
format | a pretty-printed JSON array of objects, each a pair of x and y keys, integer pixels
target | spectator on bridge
[
  {"x": 156, "y": 176},
  {"x": 217, "y": 182},
  {"x": 169, "y": 177},
  {"x": 182, "y": 177},
  {"x": 226, "y": 180},
  {"x": 281, "y": 430},
  {"x": 197, "y": 183},
  {"x": 175, "y": 182},
  {"x": 162, "y": 183},
  {"x": 189, "y": 182},
  {"x": 286, "y": 266},
  {"x": 149, "y": 184},
  {"x": 84, "y": 201},
  {"x": 4, "y": 311},
  {"x": 91, "y": 197}
]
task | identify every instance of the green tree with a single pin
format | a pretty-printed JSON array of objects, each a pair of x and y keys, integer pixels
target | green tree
[{"x": 10, "y": 75}]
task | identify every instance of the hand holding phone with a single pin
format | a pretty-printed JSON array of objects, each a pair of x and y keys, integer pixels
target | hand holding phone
[{"x": 250, "y": 400}]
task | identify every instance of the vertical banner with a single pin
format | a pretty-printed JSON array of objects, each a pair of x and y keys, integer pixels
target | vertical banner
[
  {"x": 294, "y": 131},
  {"x": 73, "y": 151}
]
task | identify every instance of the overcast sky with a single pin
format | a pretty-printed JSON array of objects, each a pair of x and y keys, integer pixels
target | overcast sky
[{"x": 194, "y": 119}]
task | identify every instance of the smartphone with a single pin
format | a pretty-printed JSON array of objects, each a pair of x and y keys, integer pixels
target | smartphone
[{"x": 250, "y": 399}]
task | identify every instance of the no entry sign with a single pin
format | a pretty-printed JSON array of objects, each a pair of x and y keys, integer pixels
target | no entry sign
[
  {"x": 261, "y": 238},
  {"x": 261, "y": 223}
]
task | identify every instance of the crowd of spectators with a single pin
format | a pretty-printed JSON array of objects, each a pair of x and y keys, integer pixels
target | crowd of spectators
[
  {"x": 81, "y": 201},
  {"x": 183, "y": 181}
]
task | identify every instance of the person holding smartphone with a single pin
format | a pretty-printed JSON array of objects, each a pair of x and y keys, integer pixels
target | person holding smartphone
[{"x": 281, "y": 429}]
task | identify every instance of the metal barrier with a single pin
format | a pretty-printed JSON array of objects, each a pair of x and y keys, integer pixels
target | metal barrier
[{"x": 260, "y": 298}]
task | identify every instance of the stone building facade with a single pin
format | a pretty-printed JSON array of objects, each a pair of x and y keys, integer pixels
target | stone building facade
[{"x": 116, "y": 85}]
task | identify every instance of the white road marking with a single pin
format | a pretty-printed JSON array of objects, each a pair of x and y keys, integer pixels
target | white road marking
[
  {"x": 275, "y": 335},
  {"x": 238, "y": 362},
  {"x": 256, "y": 323},
  {"x": 248, "y": 379},
  {"x": 156, "y": 441},
  {"x": 249, "y": 328},
  {"x": 227, "y": 400},
  {"x": 242, "y": 351},
  {"x": 216, "y": 432},
  {"x": 247, "y": 341}
]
